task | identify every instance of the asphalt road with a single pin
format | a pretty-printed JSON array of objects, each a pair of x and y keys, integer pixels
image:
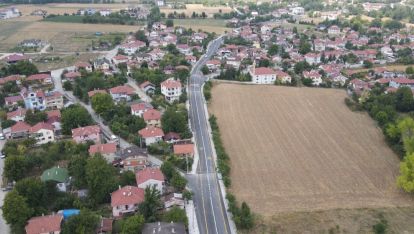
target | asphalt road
[{"x": 210, "y": 209}]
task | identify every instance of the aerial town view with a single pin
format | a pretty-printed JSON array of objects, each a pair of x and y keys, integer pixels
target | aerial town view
[{"x": 206, "y": 117}]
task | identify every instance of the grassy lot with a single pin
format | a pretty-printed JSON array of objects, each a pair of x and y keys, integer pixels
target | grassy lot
[
  {"x": 209, "y": 25},
  {"x": 49, "y": 62},
  {"x": 65, "y": 19}
]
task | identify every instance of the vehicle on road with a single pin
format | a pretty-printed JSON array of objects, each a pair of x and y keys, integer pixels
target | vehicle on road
[{"x": 2, "y": 137}]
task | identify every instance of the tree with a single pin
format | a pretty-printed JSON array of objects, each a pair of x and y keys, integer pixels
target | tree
[
  {"x": 304, "y": 47},
  {"x": 273, "y": 50},
  {"x": 175, "y": 215},
  {"x": 85, "y": 222},
  {"x": 368, "y": 64},
  {"x": 406, "y": 179},
  {"x": 23, "y": 68},
  {"x": 14, "y": 167},
  {"x": 34, "y": 191},
  {"x": 75, "y": 116},
  {"x": 178, "y": 182},
  {"x": 100, "y": 179},
  {"x": 16, "y": 211},
  {"x": 404, "y": 99},
  {"x": 127, "y": 178},
  {"x": 133, "y": 224},
  {"x": 67, "y": 85},
  {"x": 140, "y": 35},
  {"x": 168, "y": 170},
  {"x": 33, "y": 118},
  {"x": 301, "y": 66},
  {"x": 205, "y": 70},
  {"x": 174, "y": 120},
  {"x": 409, "y": 70},
  {"x": 77, "y": 169},
  {"x": 169, "y": 23},
  {"x": 102, "y": 102},
  {"x": 151, "y": 204},
  {"x": 245, "y": 217}
]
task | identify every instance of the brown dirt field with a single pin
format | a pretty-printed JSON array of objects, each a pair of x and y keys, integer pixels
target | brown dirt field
[
  {"x": 62, "y": 36},
  {"x": 198, "y": 8},
  {"x": 302, "y": 149}
]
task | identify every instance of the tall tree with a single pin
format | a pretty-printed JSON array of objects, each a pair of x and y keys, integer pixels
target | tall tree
[
  {"x": 406, "y": 178},
  {"x": 77, "y": 169},
  {"x": 34, "y": 191},
  {"x": 133, "y": 224},
  {"x": 14, "y": 168},
  {"x": 102, "y": 102},
  {"x": 151, "y": 204},
  {"x": 404, "y": 99},
  {"x": 175, "y": 215},
  {"x": 75, "y": 116},
  {"x": 85, "y": 222},
  {"x": 16, "y": 211}
]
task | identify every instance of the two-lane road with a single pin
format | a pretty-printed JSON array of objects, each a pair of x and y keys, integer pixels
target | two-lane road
[{"x": 210, "y": 209}]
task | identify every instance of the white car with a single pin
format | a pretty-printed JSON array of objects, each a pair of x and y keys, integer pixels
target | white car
[{"x": 2, "y": 137}]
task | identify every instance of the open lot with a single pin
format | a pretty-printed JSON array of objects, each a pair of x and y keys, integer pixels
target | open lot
[
  {"x": 64, "y": 37},
  {"x": 303, "y": 150},
  {"x": 208, "y": 25},
  {"x": 198, "y": 8}
]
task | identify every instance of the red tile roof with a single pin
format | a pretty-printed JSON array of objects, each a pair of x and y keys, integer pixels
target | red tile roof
[
  {"x": 151, "y": 132},
  {"x": 82, "y": 65},
  {"x": 109, "y": 148},
  {"x": 20, "y": 127},
  {"x": 53, "y": 113},
  {"x": 44, "y": 224},
  {"x": 183, "y": 149},
  {"x": 16, "y": 58},
  {"x": 149, "y": 174},
  {"x": 170, "y": 83},
  {"x": 41, "y": 125},
  {"x": 18, "y": 112},
  {"x": 72, "y": 75},
  {"x": 38, "y": 77},
  {"x": 13, "y": 99},
  {"x": 145, "y": 84},
  {"x": 127, "y": 195},
  {"x": 93, "y": 92},
  {"x": 264, "y": 71},
  {"x": 84, "y": 131},
  {"x": 123, "y": 89},
  {"x": 141, "y": 106},
  {"x": 9, "y": 78},
  {"x": 151, "y": 114}
]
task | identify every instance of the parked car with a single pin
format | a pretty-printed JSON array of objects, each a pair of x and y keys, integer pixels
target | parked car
[{"x": 2, "y": 137}]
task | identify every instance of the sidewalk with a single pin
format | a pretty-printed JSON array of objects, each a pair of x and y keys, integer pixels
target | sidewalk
[{"x": 192, "y": 219}]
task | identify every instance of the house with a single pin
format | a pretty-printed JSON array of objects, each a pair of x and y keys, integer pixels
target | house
[
  {"x": 102, "y": 64},
  {"x": 17, "y": 115},
  {"x": 159, "y": 26},
  {"x": 174, "y": 200},
  {"x": 87, "y": 133},
  {"x": 314, "y": 76},
  {"x": 83, "y": 65},
  {"x": 139, "y": 108},
  {"x": 72, "y": 75},
  {"x": 184, "y": 150},
  {"x": 19, "y": 130},
  {"x": 297, "y": 10},
  {"x": 93, "y": 92},
  {"x": 132, "y": 47},
  {"x": 105, "y": 12},
  {"x": 334, "y": 30},
  {"x": 54, "y": 100},
  {"x": 164, "y": 228},
  {"x": 13, "y": 100},
  {"x": 34, "y": 100},
  {"x": 213, "y": 65},
  {"x": 14, "y": 58},
  {"x": 43, "y": 133},
  {"x": 151, "y": 134},
  {"x": 120, "y": 93},
  {"x": 171, "y": 89},
  {"x": 58, "y": 175},
  {"x": 160, "y": 3},
  {"x": 44, "y": 78},
  {"x": 120, "y": 59},
  {"x": 184, "y": 49},
  {"x": 172, "y": 137},
  {"x": 7, "y": 13},
  {"x": 125, "y": 200},
  {"x": 49, "y": 224},
  {"x": 12, "y": 78},
  {"x": 262, "y": 75},
  {"x": 191, "y": 59},
  {"x": 108, "y": 150},
  {"x": 152, "y": 117},
  {"x": 312, "y": 58},
  {"x": 53, "y": 118},
  {"x": 283, "y": 77},
  {"x": 198, "y": 37},
  {"x": 134, "y": 158},
  {"x": 398, "y": 82},
  {"x": 31, "y": 43},
  {"x": 150, "y": 177}
]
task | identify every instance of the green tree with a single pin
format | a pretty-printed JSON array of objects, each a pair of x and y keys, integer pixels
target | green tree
[
  {"x": 301, "y": 66},
  {"x": 406, "y": 178},
  {"x": 151, "y": 204},
  {"x": 368, "y": 64},
  {"x": 16, "y": 211},
  {"x": 246, "y": 219},
  {"x": 169, "y": 23},
  {"x": 100, "y": 179},
  {"x": 75, "y": 116},
  {"x": 168, "y": 170},
  {"x": 304, "y": 47},
  {"x": 409, "y": 70},
  {"x": 205, "y": 70},
  {"x": 33, "y": 118},
  {"x": 178, "y": 182},
  {"x": 133, "y": 224},
  {"x": 34, "y": 191},
  {"x": 175, "y": 120},
  {"x": 14, "y": 167},
  {"x": 127, "y": 178},
  {"x": 77, "y": 169},
  {"x": 85, "y": 222},
  {"x": 273, "y": 50},
  {"x": 102, "y": 102},
  {"x": 175, "y": 215},
  {"x": 140, "y": 35},
  {"x": 404, "y": 99}
]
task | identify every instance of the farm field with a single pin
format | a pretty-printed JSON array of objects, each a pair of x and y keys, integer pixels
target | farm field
[
  {"x": 302, "y": 150},
  {"x": 209, "y": 25},
  {"x": 198, "y": 8},
  {"x": 64, "y": 37}
]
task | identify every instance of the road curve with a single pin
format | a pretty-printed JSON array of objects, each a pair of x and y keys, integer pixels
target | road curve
[{"x": 210, "y": 209}]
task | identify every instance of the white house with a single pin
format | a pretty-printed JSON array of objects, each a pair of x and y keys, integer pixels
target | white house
[
  {"x": 132, "y": 47},
  {"x": 43, "y": 133},
  {"x": 139, "y": 108},
  {"x": 398, "y": 82},
  {"x": 125, "y": 200},
  {"x": 150, "y": 177},
  {"x": 297, "y": 10},
  {"x": 171, "y": 89},
  {"x": 334, "y": 30},
  {"x": 314, "y": 76},
  {"x": 8, "y": 13},
  {"x": 151, "y": 134},
  {"x": 123, "y": 92},
  {"x": 262, "y": 75},
  {"x": 312, "y": 58}
]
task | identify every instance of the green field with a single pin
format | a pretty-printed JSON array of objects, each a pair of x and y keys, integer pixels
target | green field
[
  {"x": 66, "y": 19},
  {"x": 208, "y": 25}
]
